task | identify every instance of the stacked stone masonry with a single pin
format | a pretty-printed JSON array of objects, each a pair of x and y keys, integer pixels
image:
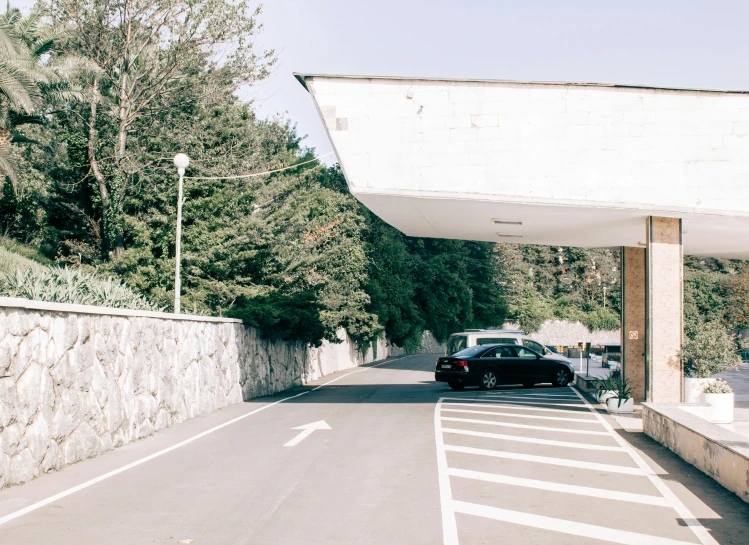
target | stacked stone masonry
[{"x": 77, "y": 383}]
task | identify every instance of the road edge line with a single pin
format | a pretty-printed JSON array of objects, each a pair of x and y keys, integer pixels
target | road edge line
[
  {"x": 122, "y": 469},
  {"x": 676, "y": 504},
  {"x": 449, "y": 524},
  {"x": 60, "y": 495}
]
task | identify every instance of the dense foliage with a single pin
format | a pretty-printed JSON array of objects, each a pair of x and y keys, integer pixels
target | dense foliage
[
  {"x": 291, "y": 252},
  {"x": 708, "y": 350},
  {"x": 541, "y": 282}
]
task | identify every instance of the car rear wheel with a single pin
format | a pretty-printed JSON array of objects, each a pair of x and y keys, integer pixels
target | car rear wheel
[
  {"x": 488, "y": 380},
  {"x": 561, "y": 377},
  {"x": 456, "y": 385}
]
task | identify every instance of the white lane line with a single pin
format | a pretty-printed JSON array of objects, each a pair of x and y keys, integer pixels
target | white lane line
[
  {"x": 684, "y": 513},
  {"x": 559, "y": 487},
  {"x": 530, "y": 396},
  {"x": 532, "y": 416},
  {"x": 600, "y": 533},
  {"x": 91, "y": 482},
  {"x": 513, "y": 401},
  {"x": 539, "y": 400},
  {"x": 533, "y": 440},
  {"x": 449, "y": 525},
  {"x": 523, "y": 426},
  {"x": 518, "y": 408},
  {"x": 610, "y": 468}
]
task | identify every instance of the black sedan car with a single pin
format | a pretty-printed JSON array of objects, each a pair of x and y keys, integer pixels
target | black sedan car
[{"x": 489, "y": 365}]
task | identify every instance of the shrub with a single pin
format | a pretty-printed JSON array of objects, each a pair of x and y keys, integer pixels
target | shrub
[
  {"x": 709, "y": 349},
  {"x": 601, "y": 319},
  {"x": 63, "y": 285},
  {"x": 292, "y": 317},
  {"x": 720, "y": 386}
]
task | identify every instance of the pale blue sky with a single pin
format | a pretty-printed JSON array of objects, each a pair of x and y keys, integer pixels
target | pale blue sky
[
  {"x": 683, "y": 43},
  {"x": 672, "y": 43}
]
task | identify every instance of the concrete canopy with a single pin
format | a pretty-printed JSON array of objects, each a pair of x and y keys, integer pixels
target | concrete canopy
[{"x": 543, "y": 163}]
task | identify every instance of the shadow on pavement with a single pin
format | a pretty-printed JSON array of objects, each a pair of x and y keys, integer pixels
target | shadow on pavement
[{"x": 723, "y": 513}]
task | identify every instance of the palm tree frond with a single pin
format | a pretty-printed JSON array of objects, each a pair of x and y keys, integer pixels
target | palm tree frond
[
  {"x": 17, "y": 119},
  {"x": 20, "y": 91},
  {"x": 63, "y": 93},
  {"x": 9, "y": 167},
  {"x": 48, "y": 38},
  {"x": 28, "y": 27}
]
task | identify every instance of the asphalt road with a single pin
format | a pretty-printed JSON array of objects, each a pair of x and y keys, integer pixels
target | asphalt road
[{"x": 405, "y": 461}]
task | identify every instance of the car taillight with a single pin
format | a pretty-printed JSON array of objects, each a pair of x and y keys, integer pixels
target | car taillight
[{"x": 461, "y": 363}]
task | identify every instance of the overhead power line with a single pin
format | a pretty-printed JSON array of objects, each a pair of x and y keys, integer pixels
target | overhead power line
[{"x": 254, "y": 174}]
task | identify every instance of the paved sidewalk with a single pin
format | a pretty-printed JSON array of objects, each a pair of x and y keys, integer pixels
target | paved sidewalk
[{"x": 739, "y": 381}]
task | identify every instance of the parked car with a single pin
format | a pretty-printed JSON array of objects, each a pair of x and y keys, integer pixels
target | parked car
[
  {"x": 479, "y": 337},
  {"x": 611, "y": 353},
  {"x": 554, "y": 349},
  {"x": 486, "y": 366},
  {"x": 744, "y": 355}
]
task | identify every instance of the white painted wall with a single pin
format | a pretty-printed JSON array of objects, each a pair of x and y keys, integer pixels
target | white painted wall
[{"x": 580, "y": 165}]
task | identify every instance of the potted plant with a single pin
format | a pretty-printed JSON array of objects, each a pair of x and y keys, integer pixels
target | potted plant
[
  {"x": 708, "y": 349},
  {"x": 622, "y": 402},
  {"x": 719, "y": 396},
  {"x": 604, "y": 391},
  {"x": 606, "y": 388}
]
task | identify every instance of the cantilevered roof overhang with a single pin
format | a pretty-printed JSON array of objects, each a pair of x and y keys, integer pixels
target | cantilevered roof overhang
[{"x": 572, "y": 164}]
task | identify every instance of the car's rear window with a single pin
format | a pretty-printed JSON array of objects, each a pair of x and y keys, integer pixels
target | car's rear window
[
  {"x": 456, "y": 343},
  {"x": 495, "y": 340},
  {"x": 469, "y": 352}
]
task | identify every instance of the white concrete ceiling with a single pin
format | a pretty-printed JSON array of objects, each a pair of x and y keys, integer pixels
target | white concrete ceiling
[{"x": 556, "y": 164}]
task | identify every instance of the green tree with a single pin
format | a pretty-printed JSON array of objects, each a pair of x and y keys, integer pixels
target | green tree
[
  {"x": 737, "y": 300},
  {"x": 32, "y": 73},
  {"x": 709, "y": 349},
  {"x": 152, "y": 54}
]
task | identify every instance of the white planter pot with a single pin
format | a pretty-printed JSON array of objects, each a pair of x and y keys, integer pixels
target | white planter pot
[
  {"x": 693, "y": 389},
  {"x": 721, "y": 408},
  {"x": 614, "y": 406},
  {"x": 603, "y": 396}
]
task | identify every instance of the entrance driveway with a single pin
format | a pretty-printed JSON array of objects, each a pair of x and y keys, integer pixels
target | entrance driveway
[{"x": 405, "y": 461}]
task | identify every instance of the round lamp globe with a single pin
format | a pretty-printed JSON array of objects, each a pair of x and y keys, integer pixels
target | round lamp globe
[{"x": 181, "y": 161}]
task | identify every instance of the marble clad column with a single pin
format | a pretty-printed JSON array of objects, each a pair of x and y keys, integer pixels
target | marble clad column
[
  {"x": 664, "y": 304},
  {"x": 633, "y": 319}
]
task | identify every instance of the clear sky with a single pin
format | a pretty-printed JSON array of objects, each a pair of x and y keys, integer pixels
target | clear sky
[{"x": 684, "y": 43}]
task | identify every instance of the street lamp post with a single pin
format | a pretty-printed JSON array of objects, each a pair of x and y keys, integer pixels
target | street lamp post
[{"x": 181, "y": 161}]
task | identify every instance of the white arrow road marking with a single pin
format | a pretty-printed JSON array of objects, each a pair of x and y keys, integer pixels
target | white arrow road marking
[{"x": 307, "y": 429}]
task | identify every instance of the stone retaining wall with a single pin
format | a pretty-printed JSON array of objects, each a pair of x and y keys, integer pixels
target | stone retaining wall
[
  {"x": 76, "y": 381},
  {"x": 566, "y": 333}
]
